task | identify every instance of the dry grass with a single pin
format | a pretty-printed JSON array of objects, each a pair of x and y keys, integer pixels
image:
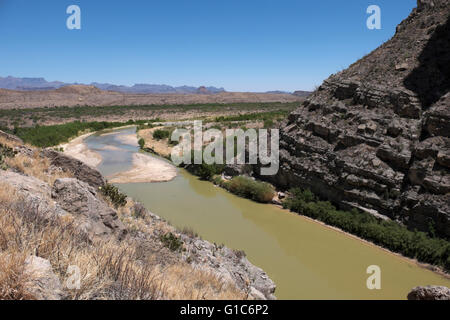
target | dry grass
[
  {"x": 109, "y": 269},
  {"x": 36, "y": 166},
  {"x": 13, "y": 279},
  {"x": 9, "y": 143}
]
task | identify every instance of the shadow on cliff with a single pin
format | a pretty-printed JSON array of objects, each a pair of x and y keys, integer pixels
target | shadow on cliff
[{"x": 431, "y": 80}]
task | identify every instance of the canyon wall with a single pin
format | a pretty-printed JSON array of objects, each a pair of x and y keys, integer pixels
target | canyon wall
[{"x": 376, "y": 136}]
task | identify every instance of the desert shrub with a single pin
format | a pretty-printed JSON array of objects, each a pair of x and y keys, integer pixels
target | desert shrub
[
  {"x": 171, "y": 241},
  {"x": 251, "y": 189},
  {"x": 141, "y": 143},
  {"x": 207, "y": 171},
  {"x": 269, "y": 123},
  {"x": 203, "y": 170},
  {"x": 145, "y": 126},
  {"x": 388, "y": 234},
  {"x": 117, "y": 198},
  {"x": 5, "y": 152},
  {"x": 160, "y": 134},
  {"x": 217, "y": 180}
]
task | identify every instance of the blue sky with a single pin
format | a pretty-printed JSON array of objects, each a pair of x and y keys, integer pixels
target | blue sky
[{"x": 241, "y": 45}]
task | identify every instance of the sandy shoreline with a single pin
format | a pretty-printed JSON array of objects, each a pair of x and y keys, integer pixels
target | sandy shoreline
[
  {"x": 77, "y": 149},
  {"x": 145, "y": 169}
]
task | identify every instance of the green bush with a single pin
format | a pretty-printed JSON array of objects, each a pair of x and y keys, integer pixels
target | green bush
[
  {"x": 160, "y": 134},
  {"x": 117, "y": 198},
  {"x": 141, "y": 143},
  {"x": 204, "y": 171},
  {"x": 248, "y": 188},
  {"x": 269, "y": 123},
  {"x": 217, "y": 180},
  {"x": 388, "y": 234},
  {"x": 207, "y": 171},
  {"x": 5, "y": 152},
  {"x": 171, "y": 241}
]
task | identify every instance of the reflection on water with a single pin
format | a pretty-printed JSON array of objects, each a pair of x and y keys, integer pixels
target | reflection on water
[{"x": 304, "y": 258}]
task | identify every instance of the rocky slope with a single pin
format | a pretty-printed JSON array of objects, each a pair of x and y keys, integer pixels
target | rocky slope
[
  {"x": 54, "y": 199},
  {"x": 377, "y": 135}
]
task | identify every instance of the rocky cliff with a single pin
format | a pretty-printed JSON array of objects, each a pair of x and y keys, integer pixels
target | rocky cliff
[{"x": 377, "y": 135}]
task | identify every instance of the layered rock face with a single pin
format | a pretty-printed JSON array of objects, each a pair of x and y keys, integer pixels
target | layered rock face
[{"x": 377, "y": 135}]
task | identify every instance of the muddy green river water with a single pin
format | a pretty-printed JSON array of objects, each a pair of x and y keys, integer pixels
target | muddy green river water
[{"x": 305, "y": 259}]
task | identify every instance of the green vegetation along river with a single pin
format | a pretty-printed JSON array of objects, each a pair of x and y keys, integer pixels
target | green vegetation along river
[{"x": 305, "y": 259}]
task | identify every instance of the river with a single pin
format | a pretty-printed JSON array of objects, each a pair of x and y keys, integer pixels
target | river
[{"x": 306, "y": 259}]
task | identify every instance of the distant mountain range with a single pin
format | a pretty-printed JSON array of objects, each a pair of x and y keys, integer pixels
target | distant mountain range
[{"x": 40, "y": 84}]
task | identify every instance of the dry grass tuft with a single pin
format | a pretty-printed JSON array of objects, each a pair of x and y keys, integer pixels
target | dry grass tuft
[
  {"x": 36, "y": 166},
  {"x": 13, "y": 279}
]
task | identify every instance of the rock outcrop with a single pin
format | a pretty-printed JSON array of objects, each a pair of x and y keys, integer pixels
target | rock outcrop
[
  {"x": 79, "y": 169},
  {"x": 377, "y": 135},
  {"x": 429, "y": 293},
  {"x": 35, "y": 194},
  {"x": 231, "y": 266},
  {"x": 78, "y": 198}
]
